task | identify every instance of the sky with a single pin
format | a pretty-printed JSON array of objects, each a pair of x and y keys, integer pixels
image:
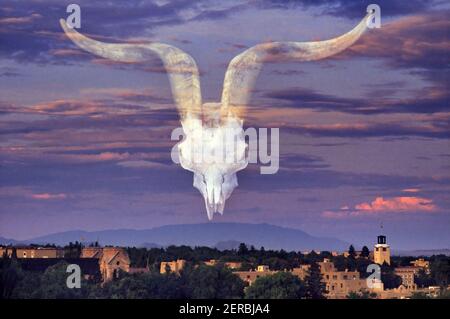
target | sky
[{"x": 364, "y": 135}]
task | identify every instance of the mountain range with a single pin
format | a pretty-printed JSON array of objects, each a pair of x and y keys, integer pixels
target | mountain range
[{"x": 222, "y": 235}]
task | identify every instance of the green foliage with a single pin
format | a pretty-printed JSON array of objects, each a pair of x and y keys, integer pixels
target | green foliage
[
  {"x": 142, "y": 286},
  {"x": 242, "y": 250},
  {"x": 389, "y": 278},
  {"x": 420, "y": 295},
  {"x": 218, "y": 282},
  {"x": 440, "y": 270},
  {"x": 73, "y": 250},
  {"x": 282, "y": 285},
  {"x": 315, "y": 288},
  {"x": 361, "y": 295},
  {"x": 365, "y": 252},
  {"x": 422, "y": 279},
  {"x": 351, "y": 251},
  {"x": 10, "y": 274}
]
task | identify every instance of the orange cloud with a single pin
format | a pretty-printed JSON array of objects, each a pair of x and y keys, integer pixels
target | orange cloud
[
  {"x": 397, "y": 204},
  {"x": 411, "y": 190},
  {"x": 403, "y": 204},
  {"x": 20, "y": 20},
  {"x": 47, "y": 196}
]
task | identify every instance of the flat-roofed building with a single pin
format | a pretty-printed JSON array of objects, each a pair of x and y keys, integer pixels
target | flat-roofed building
[
  {"x": 301, "y": 271},
  {"x": 421, "y": 263},
  {"x": 33, "y": 252},
  {"x": 172, "y": 266},
  {"x": 229, "y": 264},
  {"x": 407, "y": 274},
  {"x": 340, "y": 283},
  {"x": 251, "y": 275}
]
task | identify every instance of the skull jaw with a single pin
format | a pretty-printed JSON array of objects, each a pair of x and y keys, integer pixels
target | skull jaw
[{"x": 215, "y": 201}]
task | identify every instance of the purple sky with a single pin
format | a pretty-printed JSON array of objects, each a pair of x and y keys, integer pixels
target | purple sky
[{"x": 365, "y": 136}]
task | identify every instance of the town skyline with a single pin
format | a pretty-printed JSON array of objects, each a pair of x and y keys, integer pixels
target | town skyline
[{"x": 364, "y": 136}]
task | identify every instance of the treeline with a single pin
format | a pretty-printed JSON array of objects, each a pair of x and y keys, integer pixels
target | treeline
[
  {"x": 250, "y": 257},
  {"x": 194, "y": 282}
]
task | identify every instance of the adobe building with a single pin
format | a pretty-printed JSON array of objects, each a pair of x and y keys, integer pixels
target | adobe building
[
  {"x": 382, "y": 251},
  {"x": 251, "y": 275},
  {"x": 339, "y": 284},
  {"x": 407, "y": 274},
  {"x": 301, "y": 272},
  {"x": 229, "y": 264},
  {"x": 172, "y": 266},
  {"x": 111, "y": 260},
  {"x": 33, "y": 252},
  {"x": 422, "y": 264}
]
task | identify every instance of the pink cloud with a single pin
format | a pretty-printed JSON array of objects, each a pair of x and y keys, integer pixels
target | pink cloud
[
  {"x": 20, "y": 20},
  {"x": 380, "y": 205},
  {"x": 47, "y": 196},
  {"x": 411, "y": 190},
  {"x": 397, "y": 204}
]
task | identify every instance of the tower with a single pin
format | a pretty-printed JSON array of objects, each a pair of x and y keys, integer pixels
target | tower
[{"x": 382, "y": 252}]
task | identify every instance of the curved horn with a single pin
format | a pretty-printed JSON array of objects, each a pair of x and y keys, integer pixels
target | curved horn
[
  {"x": 181, "y": 67},
  {"x": 244, "y": 68}
]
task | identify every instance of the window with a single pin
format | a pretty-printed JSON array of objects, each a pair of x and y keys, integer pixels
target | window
[
  {"x": 384, "y": 248},
  {"x": 118, "y": 263},
  {"x": 345, "y": 277}
]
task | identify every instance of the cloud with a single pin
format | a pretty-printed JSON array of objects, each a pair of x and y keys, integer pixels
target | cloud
[
  {"x": 142, "y": 164},
  {"x": 381, "y": 205},
  {"x": 419, "y": 41},
  {"x": 353, "y": 8},
  {"x": 432, "y": 129},
  {"x": 411, "y": 190},
  {"x": 37, "y": 37},
  {"x": 302, "y": 161},
  {"x": 397, "y": 204},
  {"x": 48, "y": 196},
  {"x": 20, "y": 20}
]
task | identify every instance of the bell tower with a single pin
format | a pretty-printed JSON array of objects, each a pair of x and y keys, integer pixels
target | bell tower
[{"x": 382, "y": 251}]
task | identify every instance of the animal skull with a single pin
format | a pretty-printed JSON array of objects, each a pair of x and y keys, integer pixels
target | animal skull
[{"x": 214, "y": 148}]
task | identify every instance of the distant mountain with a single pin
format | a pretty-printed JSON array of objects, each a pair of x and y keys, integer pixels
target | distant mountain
[
  {"x": 208, "y": 234},
  {"x": 150, "y": 245},
  {"x": 421, "y": 252},
  {"x": 227, "y": 245},
  {"x": 8, "y": 241}
]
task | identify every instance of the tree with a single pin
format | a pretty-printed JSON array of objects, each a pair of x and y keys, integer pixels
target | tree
[
  {"x": 365, "y": 252},
  {"x": 423, "y": 279},
  {"x": 212, "y": 282},
  {"x": 361, "y": 266},
  {"x": 142, "y": 286},
  {"x": 315, "y": 288},
  {"x": 281, "y": 285},
  {"x": 440, "y": 270},
  {"x": 242, "y": 250},
  {"x": 10, "y": 273},
  {"x": 389, "y": 278},
  {"x": 361, "y": 295},
  {"x": 351, "y": 252}
]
